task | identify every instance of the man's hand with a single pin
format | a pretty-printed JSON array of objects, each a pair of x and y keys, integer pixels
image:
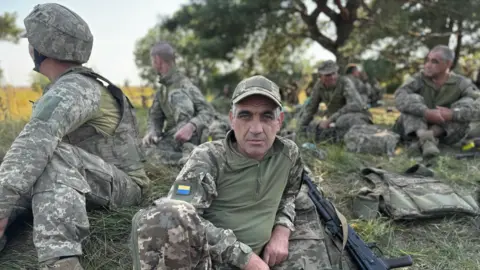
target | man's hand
[
  {"x": 324, "y": 124},
  {"x": 276, "y": 251},
  {"x": 150, "y": 137},
  {"x": 433, "y": 116},
  {"x": 256, "y": 263},
  {"x": 185, "y": 133},
  {"x": 446, "y": 113}
]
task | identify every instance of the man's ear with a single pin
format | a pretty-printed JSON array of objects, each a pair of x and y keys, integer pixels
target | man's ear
[{"x": 281, "y": 117}]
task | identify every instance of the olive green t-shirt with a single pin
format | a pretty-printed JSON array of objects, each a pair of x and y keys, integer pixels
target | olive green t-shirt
[{"x": 249, "y": 193}]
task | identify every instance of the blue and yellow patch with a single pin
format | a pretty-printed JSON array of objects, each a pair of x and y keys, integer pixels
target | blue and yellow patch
[{"x": 183, "y": 189}]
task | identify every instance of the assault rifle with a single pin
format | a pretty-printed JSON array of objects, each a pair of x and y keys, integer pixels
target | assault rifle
[{"x": 359, "y": 251}]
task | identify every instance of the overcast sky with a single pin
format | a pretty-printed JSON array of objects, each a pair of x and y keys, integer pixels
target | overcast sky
[{"x": 115, "y": 24}]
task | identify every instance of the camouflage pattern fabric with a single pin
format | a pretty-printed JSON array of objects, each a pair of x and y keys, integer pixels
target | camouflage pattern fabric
[
  {"x": 70, "y": 175},
  {"x": 177, "y": 103},
  {"x": 413, "y": 195},
  {"x": 54, "y": 20},
  {"x": 371, "y": 139},
  {"x": 419, "y": 93},
  {"x": 162, "y": 234},
  {"x": 218, "y": 129},
  {"x": 362, "y": 89},
  {"x": 342, "y": 100},
  {"x": 406, "y": 126},
  {"x": 222, "y": 104}
]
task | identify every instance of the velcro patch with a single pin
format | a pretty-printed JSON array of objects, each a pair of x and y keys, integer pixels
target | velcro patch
[{"x": 183, "y": 190}]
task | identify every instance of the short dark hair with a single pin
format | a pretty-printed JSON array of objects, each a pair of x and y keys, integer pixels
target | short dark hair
[{"x": 164, "y": 50}]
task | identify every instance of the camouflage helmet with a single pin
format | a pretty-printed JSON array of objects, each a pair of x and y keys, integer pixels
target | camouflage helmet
[{"x": 59, "y": 33}]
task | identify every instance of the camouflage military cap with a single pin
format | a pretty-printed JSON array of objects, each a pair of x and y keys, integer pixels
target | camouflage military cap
[
  {"x": 327, "y": 67},
  {"x": 257, "y": 85},
  {"x": 59, "y": 33}
]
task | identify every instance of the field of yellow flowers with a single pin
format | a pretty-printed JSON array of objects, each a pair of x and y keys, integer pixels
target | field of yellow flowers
[{"x": 16, "y": 102}]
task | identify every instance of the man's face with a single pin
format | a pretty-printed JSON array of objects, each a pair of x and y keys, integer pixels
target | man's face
[
  {"x": 255, "y": 125},
  {"x": 158, "y": 64},
  {"x": 329, "y": 80},
  {"x": 435, "y": 65},
  {"x": 356, "y": 73}
]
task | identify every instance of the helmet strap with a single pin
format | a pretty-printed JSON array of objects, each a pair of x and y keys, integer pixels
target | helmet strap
[{"x": 38, "y": 58}]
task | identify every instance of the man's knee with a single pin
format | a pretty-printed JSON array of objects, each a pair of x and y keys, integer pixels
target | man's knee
[
  {"x": 350, "y": 119},
  {"x": 407, "y": 125},
  {"x": 167, "y": 214}
]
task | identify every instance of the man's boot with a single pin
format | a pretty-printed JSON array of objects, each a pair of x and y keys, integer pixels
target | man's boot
[
  {"x": 70, "y": 263},
  {"x": 428, "y": 143}
]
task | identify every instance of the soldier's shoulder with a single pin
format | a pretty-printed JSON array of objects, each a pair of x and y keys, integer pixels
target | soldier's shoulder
[
  {"x": 214, "y": 150},
  {"x": 76, "y": 82},
  {"x": 290, "y": 148},
  {"x": 414, "y": 81},
  {"x": 461, "y": 80}
]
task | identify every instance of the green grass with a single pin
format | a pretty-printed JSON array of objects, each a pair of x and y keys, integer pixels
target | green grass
[{"x": 450, "y": 243}]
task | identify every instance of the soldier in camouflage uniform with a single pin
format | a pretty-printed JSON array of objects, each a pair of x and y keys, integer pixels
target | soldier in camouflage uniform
[
  {"x": 345, "y": 106},
  {"x": 436, "y": 104},
  {"x": 238, "y": 203},
  {"x": 354, "y": 74},
  {"x": 81, "y": 145},
  {"x": 179, "y": 115}
]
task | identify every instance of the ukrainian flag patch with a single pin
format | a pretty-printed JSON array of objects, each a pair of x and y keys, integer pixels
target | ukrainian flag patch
[{"x": 183, "y": 190}]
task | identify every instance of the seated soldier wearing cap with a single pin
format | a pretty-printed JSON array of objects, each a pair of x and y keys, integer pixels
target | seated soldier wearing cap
[
  {"x": 238, "y": 203},
  {"x": 345, "y": 106}
]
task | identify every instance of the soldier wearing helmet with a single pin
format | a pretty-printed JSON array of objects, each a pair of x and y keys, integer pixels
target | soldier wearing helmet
[{"x": 80, "y": 147}]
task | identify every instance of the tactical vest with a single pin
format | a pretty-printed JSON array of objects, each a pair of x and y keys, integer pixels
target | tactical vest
[
  {"x": 412, "y": 195},
  {"x": 123, "y": 149}
]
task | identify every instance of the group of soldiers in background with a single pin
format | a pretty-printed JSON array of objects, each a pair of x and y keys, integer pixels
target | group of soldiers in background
[{"x": 239, "y": 201}]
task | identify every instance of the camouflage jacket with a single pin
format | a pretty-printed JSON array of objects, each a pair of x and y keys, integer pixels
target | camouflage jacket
[
  {"x": 341, "y": 99},
  {"x": 361, "y": 87},
  {"x": 67, "y": 104},
  {"x": 177, "y": 103},
  {"x": 419, "y": 93},
  {"x": 212, "y": 169}
]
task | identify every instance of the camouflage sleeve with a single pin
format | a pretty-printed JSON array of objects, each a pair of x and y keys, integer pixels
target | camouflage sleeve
[
  {"x": 156, "y": 117},
  {"x": 286, "y": 210},
  {"x": 183, "y": 107},
  {"x": 204, "y": 110},
  {"x": 312, "y": 107},
  {"x": 407, "y": 100},
  {"x": 467, "y": 109},
  {"x": 354, "y": 102},
  {"x": 196, "y": 184},
  {"x": 69, "y": 103}
]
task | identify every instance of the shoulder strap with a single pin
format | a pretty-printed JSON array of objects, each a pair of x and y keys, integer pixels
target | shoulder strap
[{"x": 114, "y": 90}]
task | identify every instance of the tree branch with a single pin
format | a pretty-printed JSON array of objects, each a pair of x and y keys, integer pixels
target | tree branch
[{"x": 459, "y": 43}]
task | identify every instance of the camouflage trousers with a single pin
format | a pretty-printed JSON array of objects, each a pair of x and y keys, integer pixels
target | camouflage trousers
[
  {"x": 168, "y": 151},
  {"x": 407, "y": 125},
  {"x": 172, "y": 235},
  {"x": 72, "y": 181},
  {"x": 348, "y": 120},
  {"x": 342, "y": 126}
]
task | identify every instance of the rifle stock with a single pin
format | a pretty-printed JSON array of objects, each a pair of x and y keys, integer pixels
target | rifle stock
[{"x": 359, "y": 251}]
